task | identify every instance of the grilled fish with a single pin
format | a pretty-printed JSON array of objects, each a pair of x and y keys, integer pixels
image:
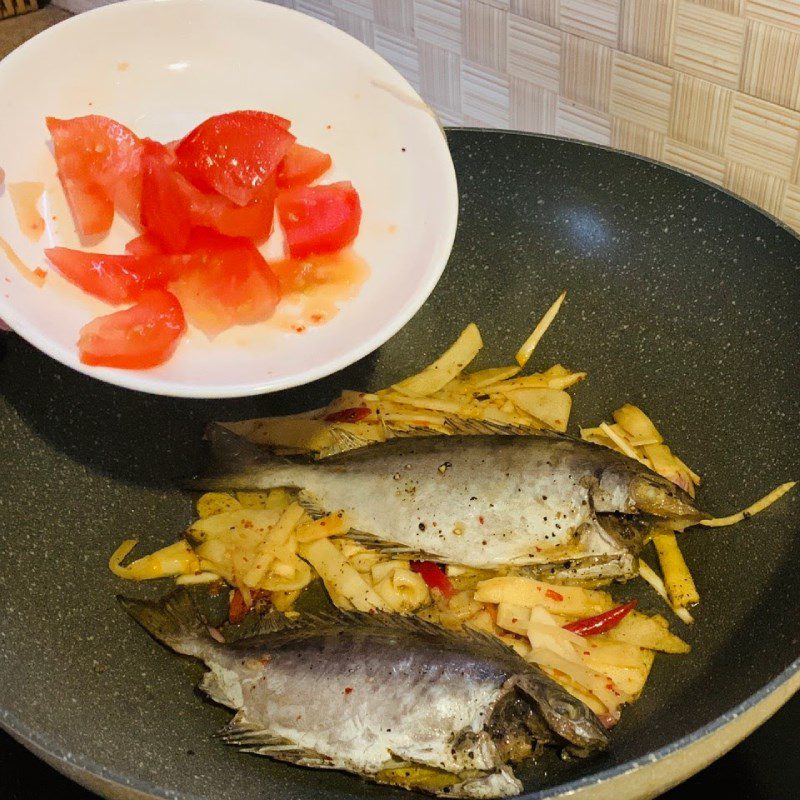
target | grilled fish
[
  {"x": 390, "y": 698},
  {"x": 546, "y": 501}
]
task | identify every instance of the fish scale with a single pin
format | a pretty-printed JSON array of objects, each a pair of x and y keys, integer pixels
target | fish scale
[
  {"x": 480, "y": 501},
  {"x": 369, "y": 693}
]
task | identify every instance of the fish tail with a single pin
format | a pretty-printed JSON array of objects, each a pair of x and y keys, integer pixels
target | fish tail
[
  {"x": 173, "y": 620},
  {"x": 237, "y": 464}
]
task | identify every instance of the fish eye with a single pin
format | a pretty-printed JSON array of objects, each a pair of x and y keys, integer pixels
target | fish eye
[{"x": 564, "y": 708}]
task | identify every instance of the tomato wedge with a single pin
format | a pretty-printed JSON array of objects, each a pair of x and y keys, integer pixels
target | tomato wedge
[
  {"x": 225, "y": 282},
  {"x": 253, "y": 221},
  {"x": 114, "y": 278},
  {"x": 319, "y": 219},
  {"x": 142, "y": 246},
  {"x": 99, "y": 166},
  {"x": 172, "y": 205},
  {"x": 165, "y": 208},
  {"x": 91, "y": 209},
  {"x": 140, "y": 337},
  {"x": 302, "y": 165},
  {"x": 235, "y": 154}
]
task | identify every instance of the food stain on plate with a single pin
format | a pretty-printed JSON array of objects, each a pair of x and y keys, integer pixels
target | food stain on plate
[
  {"x": 315, "y": 288},
  {"x": 36, "y": 276},
  {"x": 25, "y": 198}
]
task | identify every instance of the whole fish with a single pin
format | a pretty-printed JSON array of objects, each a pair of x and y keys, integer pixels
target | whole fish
[
  {"x": 561, "y": 505},
  {"x": 390, "y": 698}
]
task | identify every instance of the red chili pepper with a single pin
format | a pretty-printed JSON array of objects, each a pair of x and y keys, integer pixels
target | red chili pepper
[
  {"x": 602, "y": 622},
  {"x": 608, "y": 721},
  {"x": 238, "y": 609},
  {"x": 434, "y": 576},
  {"x": 348, "y": 415},
  {"x": 559, "y": 598}
]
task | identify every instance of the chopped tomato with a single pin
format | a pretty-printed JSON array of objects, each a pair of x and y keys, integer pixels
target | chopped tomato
[
  {"x": 225, "y": 282},
  {"x": 172, "y": 205},
  {"x": 144, "y": 245},
  {"x": 142, "y": 336},
  {"x": 99, "y": 166},
  {"x": 202, "y": 203},
  {"x": 111, "y": 278},
  {"x": 235, "y": 154},
  {"x": 253, "y": 221},
  {"x": 115, "y": 279},
  {"x": 319, "y": 219},
  {"x": 434, "y": 576},
  {"x": 165, "y": 209},
  {"x": 608, "y": 721},
  {"x": 92, "y": 211},
  {"x": 302, "y": 165}
]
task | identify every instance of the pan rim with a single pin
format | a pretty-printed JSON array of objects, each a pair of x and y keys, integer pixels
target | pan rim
[{"x": 24, "y": 734}]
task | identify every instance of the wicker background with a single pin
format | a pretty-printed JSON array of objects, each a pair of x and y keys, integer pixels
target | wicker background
[
  {"x": 711, "y": 86},
  {"x": 11, "y": 8}
]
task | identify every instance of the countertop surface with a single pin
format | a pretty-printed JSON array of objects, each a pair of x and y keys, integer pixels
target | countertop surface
[{"x": 762, "y": 767}]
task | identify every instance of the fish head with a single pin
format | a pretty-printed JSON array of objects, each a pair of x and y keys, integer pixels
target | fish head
[
  {"x": 557, "y": 712},
  {"x": 655, "y": 495},
  {"x": 572, "y": 720}
]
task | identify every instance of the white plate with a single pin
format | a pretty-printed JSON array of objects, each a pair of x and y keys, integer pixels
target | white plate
[{"x": 162, "y": 66}]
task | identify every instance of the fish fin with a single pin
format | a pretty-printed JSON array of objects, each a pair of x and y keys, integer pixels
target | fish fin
[
  {"x": 293, "y": 754},
  {"x": 586, "y": 571},
  {"x": 311, "y": 504},
  {"x": 342, "y": 441},
  {"x": 484, "y": 427},
  {"x": 173, "y": 620},
  {"x": 455, "y": 425},
  {"x": 260, "y": 624},
  {"x": 251, "y": 738},
  {"x": 387, "y": 547},
  {"x": 388, "y": 622},
  {"x": 311, "y": 624},
  {"x": 502, "y": 783}
]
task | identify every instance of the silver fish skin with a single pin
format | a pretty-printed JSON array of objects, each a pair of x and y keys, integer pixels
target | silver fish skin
[
  {"x": 365, "y": 693},
  {"x": 479, "y": 501}
]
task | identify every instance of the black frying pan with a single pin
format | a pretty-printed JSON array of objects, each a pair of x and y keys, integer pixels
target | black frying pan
[{"x": 681, "y": 298}]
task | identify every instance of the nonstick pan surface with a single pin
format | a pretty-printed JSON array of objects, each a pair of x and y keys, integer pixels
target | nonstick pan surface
[{"x": 681, "y": 298}]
